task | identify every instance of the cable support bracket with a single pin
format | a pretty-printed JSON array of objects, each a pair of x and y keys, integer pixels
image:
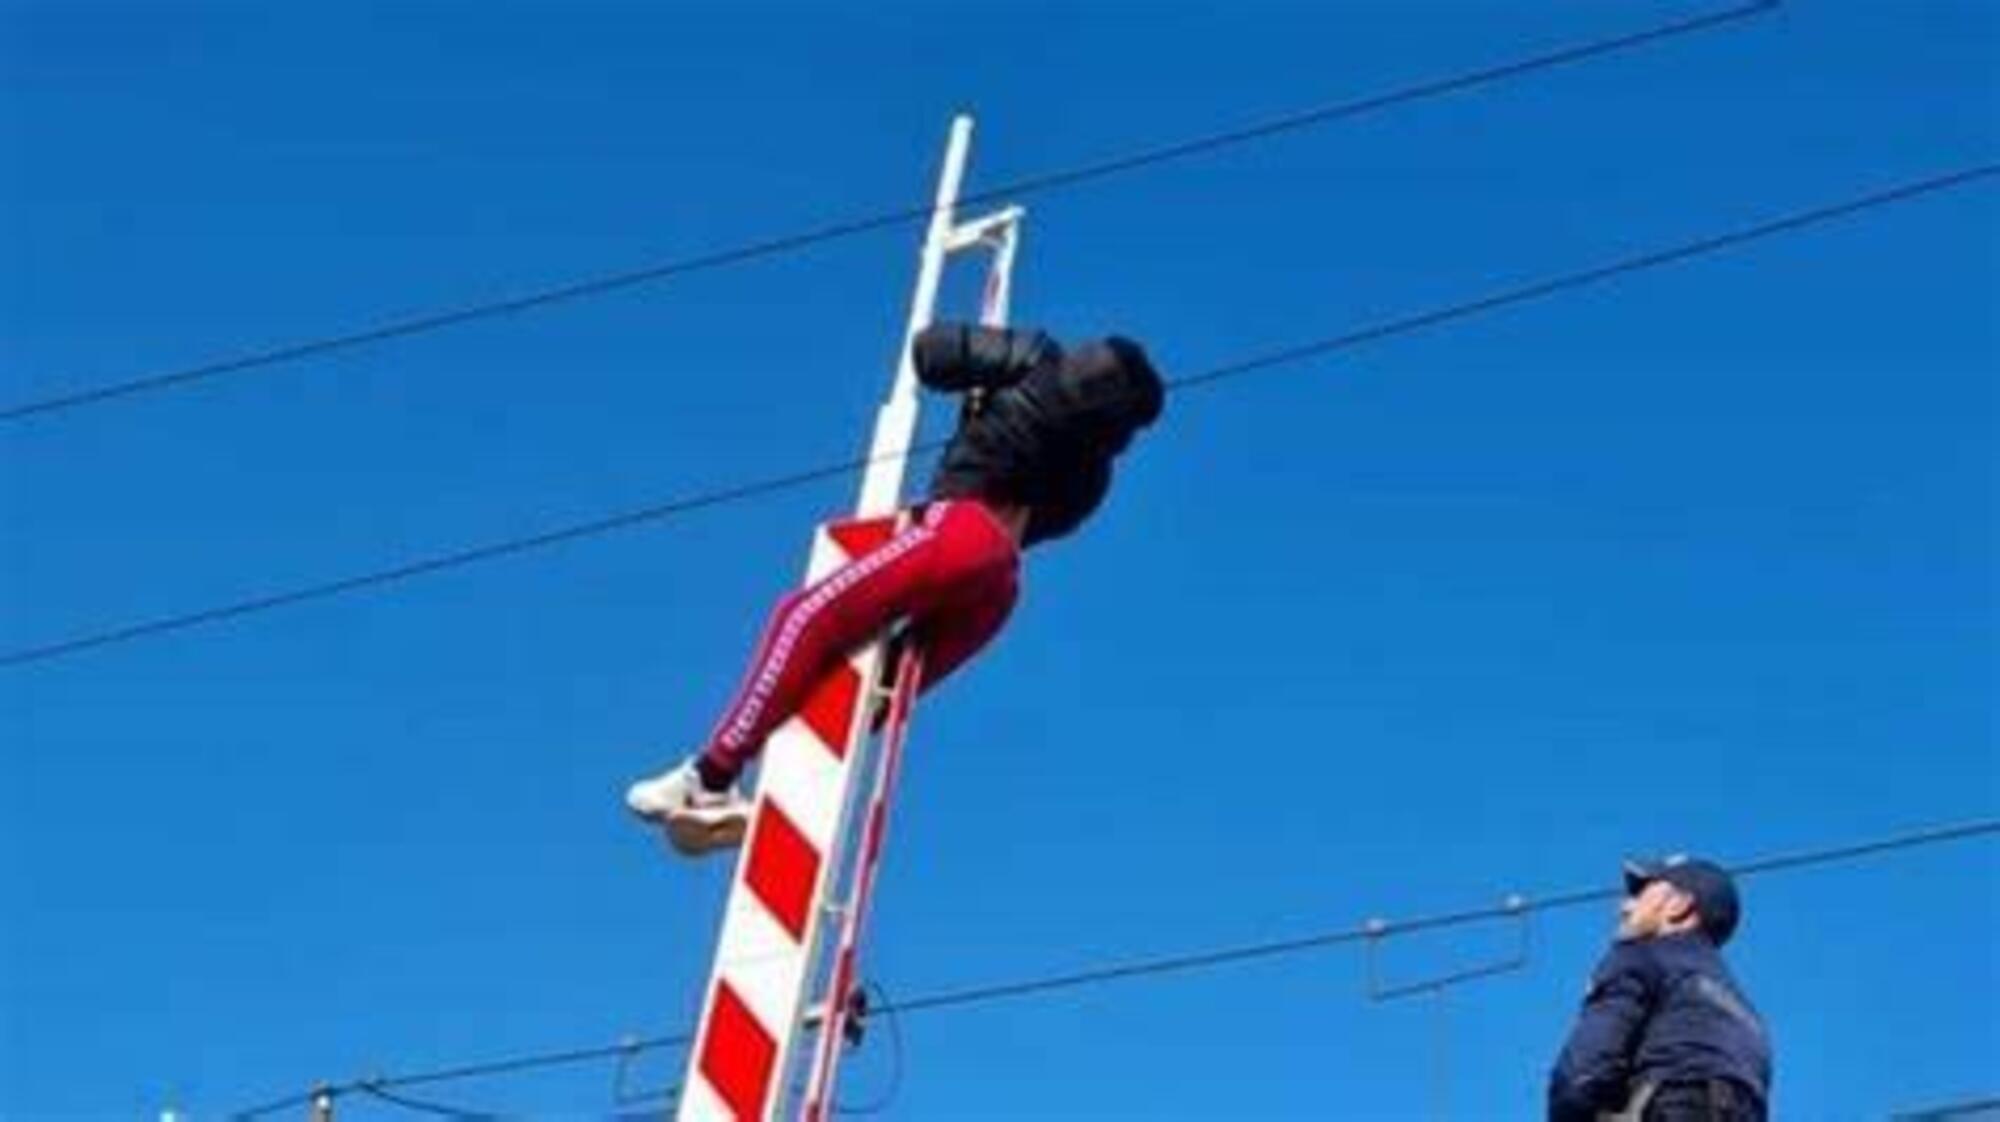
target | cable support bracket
[{"x": 1515, "y": 907}]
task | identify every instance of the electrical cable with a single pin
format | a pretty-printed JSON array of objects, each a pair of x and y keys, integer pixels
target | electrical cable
[
  {"x": 423, "y": 1106},
  {"x": 1159, "y": 965},
  {"x": 787, "y": 243},
  {"x": 454, "y": 559},
  {"x": 883, "y": 1100},
  {"x": 1385, "y": 329}
]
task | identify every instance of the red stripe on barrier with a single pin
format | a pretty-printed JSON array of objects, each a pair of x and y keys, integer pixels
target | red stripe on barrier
[
  {"x": 829, "y": 709},
  {"x": 857, "y": 538},
  {"x": 738, "y": 1055},
  {"x": 783, "y": 868}
]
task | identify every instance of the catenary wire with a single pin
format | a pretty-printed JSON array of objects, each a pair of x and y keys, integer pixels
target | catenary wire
[
  {"x": 1159, "y": 965},
  {"x": 458, "y": 558},
  {"x": 629, "y": 519},
  {"x": 788, "y": 243},
  {"x": 425, "y": 1106},
  {"x": 886, "y": 1097}
]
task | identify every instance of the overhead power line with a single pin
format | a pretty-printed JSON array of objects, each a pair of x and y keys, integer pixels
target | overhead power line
[
  {"x": 454, "y": 559},
  {"x": 421, "y": 1106},
  {"x": 1318, "y": 348},
  {"x": 1294, "y": 121},
  {"x": 1971, "y": 1110},
  {"x": 1374, "y": 930}
]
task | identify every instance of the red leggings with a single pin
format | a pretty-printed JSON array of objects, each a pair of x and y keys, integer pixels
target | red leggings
[{"x": 952, "y": 574}]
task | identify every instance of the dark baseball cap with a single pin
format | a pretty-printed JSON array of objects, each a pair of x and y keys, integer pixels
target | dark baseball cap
[{"x": 1710, "y": 884}]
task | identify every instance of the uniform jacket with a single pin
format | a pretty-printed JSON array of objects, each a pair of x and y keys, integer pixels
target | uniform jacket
[
  {"x": 1041, "y": 426},
  {"x": 1660, "y": 1011}
]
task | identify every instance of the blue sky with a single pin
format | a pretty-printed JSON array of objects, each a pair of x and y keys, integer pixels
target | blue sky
[{"x": 1703, "y": 560}]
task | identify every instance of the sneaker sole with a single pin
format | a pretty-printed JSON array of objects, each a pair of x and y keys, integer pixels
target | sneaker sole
[{"x": 693, "y": 834}]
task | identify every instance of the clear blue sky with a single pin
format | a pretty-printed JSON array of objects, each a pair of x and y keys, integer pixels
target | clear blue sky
[{"x": 1701, "y": 560}]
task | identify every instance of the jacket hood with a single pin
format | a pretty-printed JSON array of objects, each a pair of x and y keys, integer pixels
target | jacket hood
[{"x": 1114, "y": 381}]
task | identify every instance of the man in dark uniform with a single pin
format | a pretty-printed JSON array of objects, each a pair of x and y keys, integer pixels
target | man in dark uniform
[{"x": 1666, "y": 1034}]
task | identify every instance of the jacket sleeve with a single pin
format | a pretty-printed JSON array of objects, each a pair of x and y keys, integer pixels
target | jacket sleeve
[
  {"x": 1593, "y": 1072},
  {"x": 956, "y": 357},
  {"x": 1070, "y": 496}
]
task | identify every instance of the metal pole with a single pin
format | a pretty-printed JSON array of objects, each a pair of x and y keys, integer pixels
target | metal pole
[
  {"x": 768, "y": 956},
  {"x": 999, "y": 233},
  {"x": 826, "y": 1060},
  {"x": 896, "y": 423}
]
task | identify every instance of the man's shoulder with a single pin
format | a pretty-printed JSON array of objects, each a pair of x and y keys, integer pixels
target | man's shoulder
[
  {"x": 1631, "y": 952},
  {"x": 1626, "y": 958},
  {"x": 1688, "y": 952}
]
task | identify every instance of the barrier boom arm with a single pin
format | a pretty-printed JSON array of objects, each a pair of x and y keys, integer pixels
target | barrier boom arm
[{"x": 798, "y": 866}]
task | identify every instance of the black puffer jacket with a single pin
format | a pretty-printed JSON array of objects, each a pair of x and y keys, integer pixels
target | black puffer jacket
[{"x": 1040, "y": 427}]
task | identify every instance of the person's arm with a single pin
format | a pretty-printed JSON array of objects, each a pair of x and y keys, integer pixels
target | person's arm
[
  {"x": 1061, "y": 504},
  {"x": 957, "y": 357},
  {"x": 1593, "y": 1072}
]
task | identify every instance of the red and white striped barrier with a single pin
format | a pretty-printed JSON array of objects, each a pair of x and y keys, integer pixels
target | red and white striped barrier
[
  {"x": 756, "y": 1005},
  {"x": 757, "y": 994}
]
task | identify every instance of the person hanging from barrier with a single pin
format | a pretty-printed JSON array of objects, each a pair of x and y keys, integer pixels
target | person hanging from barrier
[
  {"x": 1665, "y": 1034},
  {"x": 1030, "y": 461}
]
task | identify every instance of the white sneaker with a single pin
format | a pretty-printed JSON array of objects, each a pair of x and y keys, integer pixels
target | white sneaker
[{"x": 696, "y": 819}]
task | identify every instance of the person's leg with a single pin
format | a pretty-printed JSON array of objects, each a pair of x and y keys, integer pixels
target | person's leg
[
  {"x": 955, "y": 550},
  {"x": 958, "y": 629}
]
